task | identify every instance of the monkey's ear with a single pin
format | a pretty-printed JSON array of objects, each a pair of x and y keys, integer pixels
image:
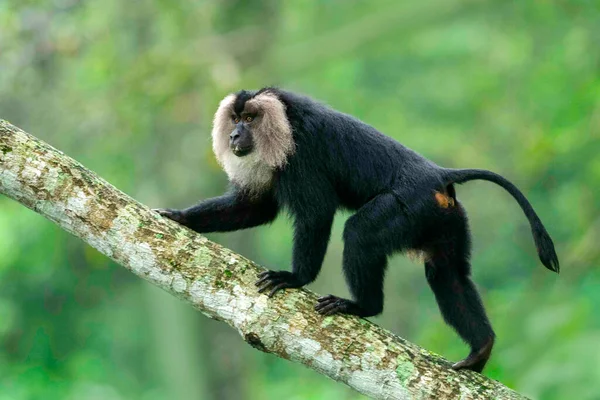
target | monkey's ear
[{"x": 222, "y": 127}]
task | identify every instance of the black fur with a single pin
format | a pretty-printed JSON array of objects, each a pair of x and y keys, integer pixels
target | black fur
[
  {"x": 341, "y": 162},
  {"x": 240, "y": 99}
]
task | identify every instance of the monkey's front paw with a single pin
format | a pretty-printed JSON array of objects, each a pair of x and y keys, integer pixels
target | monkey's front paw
[
  {"x": 276, "y": 280},
  {"x": 330, "y": 304},
  {"x": 170, "y": 213}
]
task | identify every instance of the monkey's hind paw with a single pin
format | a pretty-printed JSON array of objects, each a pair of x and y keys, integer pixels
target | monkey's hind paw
[
  {"x": 276, "y": 281},
  {"x": 477, "y": 359},
  {"x": 330, "y": 304},
  {"x": 172, "y": 214}
]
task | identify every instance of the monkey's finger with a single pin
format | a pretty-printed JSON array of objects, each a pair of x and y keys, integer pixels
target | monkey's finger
[
  {"x": 268, "y": 284},
  {"x": 282, "y": 285},
  {"x": 162, "y": 211},
  {"x": 263, "y": 279},
  {"x": 263, "y": 274},
  {"x": 265, "y": 287},
  {"x": 334, "y": 310},
  {"x": 325, "y": 298},
  {"x": 322, "y": 305},
  {"x": 174, "y": 215},
  {"x": 329, "y": 309}
]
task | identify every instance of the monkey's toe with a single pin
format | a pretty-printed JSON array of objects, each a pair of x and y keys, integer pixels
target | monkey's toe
[
  {"x": 276, "y": 281},
  {"x": 477, "y": 359},
  {"x": 330, "y": 304}
]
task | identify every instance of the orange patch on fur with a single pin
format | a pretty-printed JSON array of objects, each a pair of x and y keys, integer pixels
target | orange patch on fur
[{"x": 444, "y": 200}]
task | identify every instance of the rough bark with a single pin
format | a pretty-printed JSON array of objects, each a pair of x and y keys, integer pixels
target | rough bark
[{"x": 220, "y": 283}]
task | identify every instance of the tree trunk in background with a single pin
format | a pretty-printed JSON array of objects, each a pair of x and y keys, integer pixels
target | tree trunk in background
[{"x": 220, "y": 283}]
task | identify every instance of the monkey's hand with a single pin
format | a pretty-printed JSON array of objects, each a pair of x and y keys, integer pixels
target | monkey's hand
[
  {"x": 277, "y": 280},
  {"x": 175, "y": 215},
  {"x": 330, "y": 304}
]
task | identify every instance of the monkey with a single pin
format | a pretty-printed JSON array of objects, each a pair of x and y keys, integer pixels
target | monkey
[{"x": 284, "y": 151}]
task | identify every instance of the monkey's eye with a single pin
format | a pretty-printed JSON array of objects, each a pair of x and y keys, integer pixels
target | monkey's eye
[
  {"x": 236, "y": 120},
  {"x": 249, "y": 118}
]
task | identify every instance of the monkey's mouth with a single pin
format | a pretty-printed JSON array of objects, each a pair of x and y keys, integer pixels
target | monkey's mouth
[{"x": 241, "y": 151}]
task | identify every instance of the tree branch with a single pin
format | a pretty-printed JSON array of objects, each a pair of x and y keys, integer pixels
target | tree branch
[{"x": 220, "y": 283}]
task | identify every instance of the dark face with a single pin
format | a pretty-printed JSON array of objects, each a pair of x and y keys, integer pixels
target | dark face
[
  {"x": 240, "y": 140},
  {"x": 254, "y": 125}
]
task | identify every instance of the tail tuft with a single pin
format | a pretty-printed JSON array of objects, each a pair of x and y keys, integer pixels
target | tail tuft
[{"x": 545, "y": 248}]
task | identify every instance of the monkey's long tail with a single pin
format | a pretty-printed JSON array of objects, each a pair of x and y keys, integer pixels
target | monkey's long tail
[{"x": 542, "y": 239}]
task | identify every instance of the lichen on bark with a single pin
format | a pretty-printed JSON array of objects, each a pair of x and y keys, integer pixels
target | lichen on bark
[{"x": 220, "y": 283}]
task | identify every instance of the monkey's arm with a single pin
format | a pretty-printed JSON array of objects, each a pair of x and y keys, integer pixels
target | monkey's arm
[
  {"x": 230, "y": 212},
  {"x": 311, "y": 236}
]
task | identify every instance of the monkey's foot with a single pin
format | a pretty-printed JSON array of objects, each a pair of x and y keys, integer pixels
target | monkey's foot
[
  {"x": 330, "y": 304},
  {"x": 170, "y": 213},
  {"x": 276, "y": 280},
  {"x": 477, "y": 359}
]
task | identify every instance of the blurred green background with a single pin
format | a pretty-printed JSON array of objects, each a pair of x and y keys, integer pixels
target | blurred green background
[{"x": 128, "y": 88}]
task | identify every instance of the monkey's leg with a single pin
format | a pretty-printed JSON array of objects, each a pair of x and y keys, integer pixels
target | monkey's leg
[
  {"x": 461, "y": 307},
  {"x": 230, "y": 212},
  {"x": 376, "y": 230},
  {"x": 364, "y": 271},
  {"x": 311, "y": 236}
]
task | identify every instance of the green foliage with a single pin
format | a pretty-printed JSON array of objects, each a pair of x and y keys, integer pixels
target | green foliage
[{"x": 129, "y": 88}]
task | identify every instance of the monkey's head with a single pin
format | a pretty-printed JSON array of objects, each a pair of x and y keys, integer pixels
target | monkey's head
[{"x": 252, "y": 137}]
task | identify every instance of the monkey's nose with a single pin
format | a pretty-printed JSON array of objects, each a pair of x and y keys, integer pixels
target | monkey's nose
[{"x": 234, "y": 136}]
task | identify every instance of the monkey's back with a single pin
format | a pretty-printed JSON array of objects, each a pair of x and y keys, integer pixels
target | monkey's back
[{"x": 327, "y": 144}]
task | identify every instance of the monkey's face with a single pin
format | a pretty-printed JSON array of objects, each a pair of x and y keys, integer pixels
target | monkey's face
[
  {"x": 241, "y": 142},
  {"x": 252, "y": 137}
]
